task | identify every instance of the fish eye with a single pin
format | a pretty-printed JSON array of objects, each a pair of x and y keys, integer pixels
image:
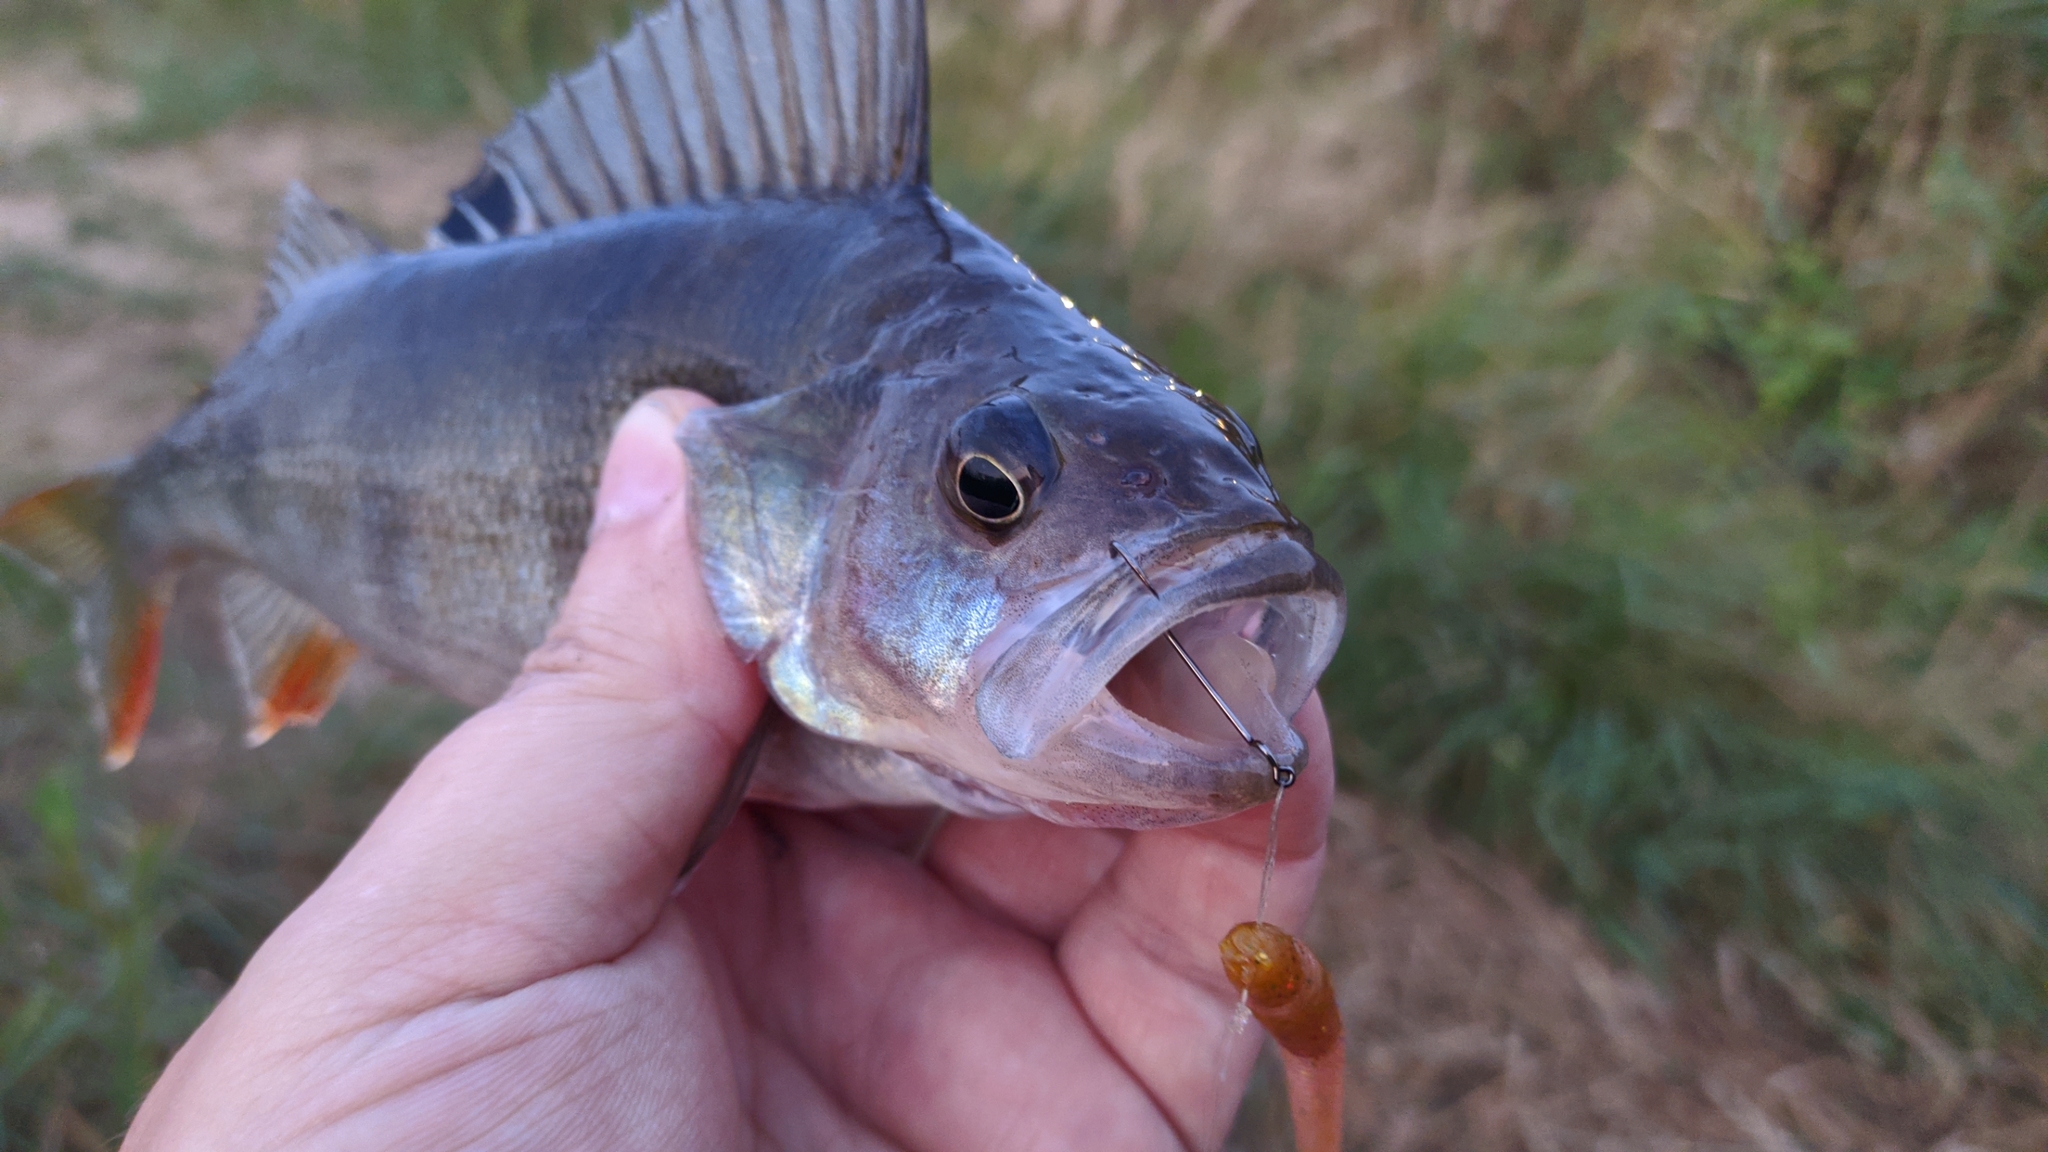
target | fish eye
[
  {"x": 988, "y": 494},
  {"x": 998, "y": 457}
]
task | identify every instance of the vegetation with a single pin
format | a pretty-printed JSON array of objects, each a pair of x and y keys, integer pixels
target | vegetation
[{"x": 1664, "y": 379}]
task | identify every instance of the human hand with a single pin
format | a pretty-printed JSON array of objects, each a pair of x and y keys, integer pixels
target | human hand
[{"x": 503, "y": 960}]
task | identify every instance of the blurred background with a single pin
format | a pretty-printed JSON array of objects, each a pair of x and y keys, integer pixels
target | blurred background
[{"x": 1667, "y": 380}]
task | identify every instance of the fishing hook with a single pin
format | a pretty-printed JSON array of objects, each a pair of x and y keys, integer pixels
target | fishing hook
[{"x": 1283, "y": 774}]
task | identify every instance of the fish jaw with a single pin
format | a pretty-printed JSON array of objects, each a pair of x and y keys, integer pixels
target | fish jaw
[{"x": 1093, "y": 719}]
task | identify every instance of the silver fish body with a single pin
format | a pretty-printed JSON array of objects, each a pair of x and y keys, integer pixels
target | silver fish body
[{"x": 905, "y": 506}]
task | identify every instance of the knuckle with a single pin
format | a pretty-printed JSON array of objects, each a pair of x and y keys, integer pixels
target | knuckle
[{"x": 592, "y": 653}]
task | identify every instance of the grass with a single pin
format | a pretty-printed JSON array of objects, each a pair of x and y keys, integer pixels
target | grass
[
  {"x": 44, "y": 296},
  {"x": 1665, "y": 379},
  {"x": 128, "y": 902},
  {"x": 1662, "y": 379}
]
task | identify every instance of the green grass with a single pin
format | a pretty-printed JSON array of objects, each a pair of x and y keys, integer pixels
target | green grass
[
  {"x": 1655, "y": 582},
  {"x": 197, "y": 63},
  {"x": 1665, "y": 380},
  {"x": 41, "y": 295},
  {"x": 128, "y": 902}
]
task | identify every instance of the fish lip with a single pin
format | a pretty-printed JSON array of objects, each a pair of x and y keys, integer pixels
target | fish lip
[{"x": 1038, "y": 692}]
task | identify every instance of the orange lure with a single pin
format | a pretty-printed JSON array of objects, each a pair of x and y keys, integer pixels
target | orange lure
[{"x": 1290, "y": 994}]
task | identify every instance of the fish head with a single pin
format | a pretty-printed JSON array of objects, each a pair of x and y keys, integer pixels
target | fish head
[
  {"x": 1008, "y": 573},
  {"x": 1160, "y": 543}
]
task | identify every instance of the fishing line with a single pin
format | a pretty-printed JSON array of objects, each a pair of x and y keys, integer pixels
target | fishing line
[
  {"x": 1283, "y": 774},
  {"x": 1283, "y": 779},
  {"x": 1272, "y": 851}
]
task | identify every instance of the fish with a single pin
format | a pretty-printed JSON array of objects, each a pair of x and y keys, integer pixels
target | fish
[{"x": 947, "y": 515}]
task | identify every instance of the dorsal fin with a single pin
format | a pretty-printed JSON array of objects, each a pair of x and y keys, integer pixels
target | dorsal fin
[
  {"x": 313, "y": 237},
  {"x": 712, "y": 100}
]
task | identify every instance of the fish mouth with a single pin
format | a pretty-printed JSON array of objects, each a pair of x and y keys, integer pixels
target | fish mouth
[
  {"x": 1099, "y": 719},
  {"x": 1207, "y": 679}
]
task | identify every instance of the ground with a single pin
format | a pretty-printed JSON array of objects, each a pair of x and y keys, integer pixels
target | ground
[{"x": 1480, "y": 1015}]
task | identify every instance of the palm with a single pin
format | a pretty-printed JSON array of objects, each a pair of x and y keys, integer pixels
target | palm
[{"x": 1032, "y": 987}]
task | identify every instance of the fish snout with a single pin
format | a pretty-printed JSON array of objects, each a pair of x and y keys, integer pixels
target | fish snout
[{"x": 1155, "y": 698}]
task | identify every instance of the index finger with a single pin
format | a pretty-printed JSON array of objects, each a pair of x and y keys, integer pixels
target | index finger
[{"x": 1141, "y": 954}]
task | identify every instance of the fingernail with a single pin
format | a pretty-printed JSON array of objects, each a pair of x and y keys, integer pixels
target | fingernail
[{"x": 643, "y": 468}]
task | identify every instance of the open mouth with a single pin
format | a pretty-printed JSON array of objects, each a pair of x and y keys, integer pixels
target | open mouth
[
  {"x": 1161, "y": 687},
  {"x": 1092, "y": 705}
]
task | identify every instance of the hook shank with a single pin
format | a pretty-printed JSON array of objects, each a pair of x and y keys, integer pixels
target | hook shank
[{"x": 1283, "y": 774}]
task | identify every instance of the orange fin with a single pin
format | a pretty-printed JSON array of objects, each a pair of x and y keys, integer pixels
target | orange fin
[
  {"x": 291, "y": 661},
  {"x": 305, "y": 687},
  {"x": 68, "y": 532},
  {"x": 133, "y": 657}
]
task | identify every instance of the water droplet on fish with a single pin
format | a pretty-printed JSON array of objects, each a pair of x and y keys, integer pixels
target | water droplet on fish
[{"x": 1067, "y": 300}]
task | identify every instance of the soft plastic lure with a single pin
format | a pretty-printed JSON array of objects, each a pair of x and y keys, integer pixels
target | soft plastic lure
[{"x": 1289, "y": 992}]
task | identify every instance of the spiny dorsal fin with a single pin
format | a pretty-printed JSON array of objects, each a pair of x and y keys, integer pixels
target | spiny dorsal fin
[
  {"x": 314, "y": 237},
  {"x": 712, "y": 100}
]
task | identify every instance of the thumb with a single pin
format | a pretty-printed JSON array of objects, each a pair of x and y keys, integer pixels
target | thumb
[
  {"x": 637, "y": 642},
  {"x": 547, "y": 831}
]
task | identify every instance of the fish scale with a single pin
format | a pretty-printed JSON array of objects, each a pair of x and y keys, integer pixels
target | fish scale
[{"x": 901, "y": 506}]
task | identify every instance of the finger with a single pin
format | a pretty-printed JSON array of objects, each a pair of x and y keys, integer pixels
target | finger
[
  {"x": 932, "y": 1020},
  {"x": 938, "y": 1028},
  {"x": 1026, "y": 872},
  {"x": 547, "y": 831},
  {"x": 1142, "y": 954}
]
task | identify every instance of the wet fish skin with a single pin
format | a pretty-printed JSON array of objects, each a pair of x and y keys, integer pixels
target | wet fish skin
[
  {"x": 405, "y": 456},
  {"x": 394, "y": 453},
  {"x": 413, "y": 445},
  {"x": 845, "y": 614}
]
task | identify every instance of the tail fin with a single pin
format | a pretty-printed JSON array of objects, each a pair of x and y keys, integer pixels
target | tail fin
[{"x": 69, "y": 533}]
